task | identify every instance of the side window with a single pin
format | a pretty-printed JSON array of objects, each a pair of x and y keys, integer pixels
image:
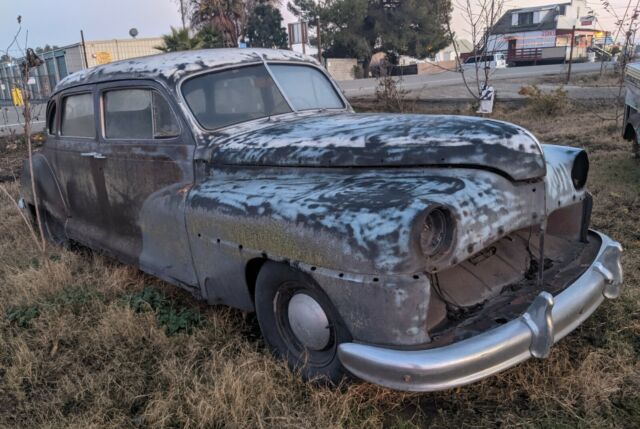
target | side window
[
  {"x": 51, "y": 119},
  {"x": 138, "y": 114},
  {"x": 77, "y": 116}
]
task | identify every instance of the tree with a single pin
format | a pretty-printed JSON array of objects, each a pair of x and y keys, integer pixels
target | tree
[
  {"x": 210, "y": 38},
  {"x": 224, "y": 16},
  {"x": 264, "y": 28},
  {"x": 227, "y": 17},
  {"x": 179, "y": 40},
  {"x": 480, "y": 16},
  {"x": 360, "y": 28}
]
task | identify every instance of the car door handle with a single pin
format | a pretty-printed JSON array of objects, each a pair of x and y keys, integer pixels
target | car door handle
[{"x": 95, "y": 155}]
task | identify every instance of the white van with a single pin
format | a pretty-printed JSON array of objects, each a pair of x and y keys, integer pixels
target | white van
[{"x": 493, "y": 61}]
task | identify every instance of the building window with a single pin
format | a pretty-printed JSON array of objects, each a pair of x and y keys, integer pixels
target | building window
[
  {"x": 562, "y": 9},
  {"x": 525, "y": 18}
]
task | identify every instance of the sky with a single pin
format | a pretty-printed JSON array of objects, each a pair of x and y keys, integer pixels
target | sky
[{"x": 59, "y": 22}]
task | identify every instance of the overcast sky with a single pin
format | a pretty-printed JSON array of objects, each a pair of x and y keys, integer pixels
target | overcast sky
[{"x": 59, "y": 22}]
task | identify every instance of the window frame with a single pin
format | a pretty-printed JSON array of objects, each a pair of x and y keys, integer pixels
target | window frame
[
  {"x": 131, "y": 85},
  {"x": 194, "y": 121},
  {"x": 53, "y": 104},
  {"x": 527, "y": 14},
  {"x": 72, "y": 93}
]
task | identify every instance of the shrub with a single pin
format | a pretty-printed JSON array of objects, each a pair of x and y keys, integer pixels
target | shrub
[
  {"x": 174, "y": 319},
  {"x": 23, "y": 315},
  {"x": 543, "y": 103}
]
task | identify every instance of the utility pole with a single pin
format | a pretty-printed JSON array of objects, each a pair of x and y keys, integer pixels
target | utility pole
[
  {"x": 573, "y": 38},
  {"x": 319, "y": 44},
  {"x": 84, "y": 49}
]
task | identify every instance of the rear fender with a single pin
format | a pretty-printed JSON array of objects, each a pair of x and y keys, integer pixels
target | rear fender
[{"x": 47, "y": 187}]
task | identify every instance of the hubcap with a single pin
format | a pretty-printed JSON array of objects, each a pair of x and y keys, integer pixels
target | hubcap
[{"x": 308, "y": 321}]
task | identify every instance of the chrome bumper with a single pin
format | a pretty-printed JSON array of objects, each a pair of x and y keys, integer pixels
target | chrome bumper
[{"x": 547, "y": 320}]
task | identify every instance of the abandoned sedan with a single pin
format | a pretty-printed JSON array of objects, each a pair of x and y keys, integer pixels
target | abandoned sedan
[{"x": 417, "y": 252}]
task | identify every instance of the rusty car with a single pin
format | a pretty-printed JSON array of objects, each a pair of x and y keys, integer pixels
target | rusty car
[{"x": 417, "y": 252}]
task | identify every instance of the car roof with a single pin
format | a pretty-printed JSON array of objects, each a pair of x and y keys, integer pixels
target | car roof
[{"x": 170, "y": 67}]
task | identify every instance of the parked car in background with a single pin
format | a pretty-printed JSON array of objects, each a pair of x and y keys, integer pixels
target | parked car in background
[
  {"x": 632, "y": 106},
  {"x": 492, "y": 61},
  {"x": 417, "y": 252}
]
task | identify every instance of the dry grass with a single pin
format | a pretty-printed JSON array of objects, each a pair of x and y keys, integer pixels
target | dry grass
[{"x": 75, "y": 353}]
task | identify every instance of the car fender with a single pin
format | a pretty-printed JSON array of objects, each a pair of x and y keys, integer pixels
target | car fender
[{"x": 50, "y": 197}]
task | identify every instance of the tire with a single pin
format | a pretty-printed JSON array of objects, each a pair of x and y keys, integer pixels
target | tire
[{"x": 276, "y": 286}]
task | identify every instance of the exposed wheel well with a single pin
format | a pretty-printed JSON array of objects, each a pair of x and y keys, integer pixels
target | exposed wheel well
[
  {"x": 629, "y": 133},
  {"x": 251, "y": 274}
]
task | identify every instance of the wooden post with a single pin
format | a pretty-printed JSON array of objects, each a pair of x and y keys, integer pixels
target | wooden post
[
  {"x": 573, "y": 37},
  {"x": 84, "y": 48},
  {"x": 319, "y": 45}
]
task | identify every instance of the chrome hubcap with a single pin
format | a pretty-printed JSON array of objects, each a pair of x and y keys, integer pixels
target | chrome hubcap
[{"x": 308, "y": 322}]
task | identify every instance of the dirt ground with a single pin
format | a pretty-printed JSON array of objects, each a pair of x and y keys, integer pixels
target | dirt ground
[{"x": 88, "y": 342}]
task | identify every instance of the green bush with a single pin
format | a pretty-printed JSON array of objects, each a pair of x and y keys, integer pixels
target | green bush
[
  {"x": 174, "y": 319},
  {"x": 23, "y": 315},
  {"x": 548, "y": 103}
]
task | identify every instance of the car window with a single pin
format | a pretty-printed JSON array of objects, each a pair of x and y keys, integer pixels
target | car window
[
  {"x": 306, "y": 87},
  {"x": 77, "y": 116},
  {"x": 138, "y": 114},
  {"x": 228, "y": 97},
  {"x": 51, "y": 119}
]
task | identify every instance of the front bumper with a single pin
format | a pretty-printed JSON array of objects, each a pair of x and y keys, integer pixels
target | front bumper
[{"x": 547, "y": 320}]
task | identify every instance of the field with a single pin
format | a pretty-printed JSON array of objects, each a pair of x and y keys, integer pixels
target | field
[{"x": 87, "y": 342}]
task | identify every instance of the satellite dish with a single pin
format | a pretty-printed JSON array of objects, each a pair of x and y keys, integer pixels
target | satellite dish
[{"x": 133, "y": 32}]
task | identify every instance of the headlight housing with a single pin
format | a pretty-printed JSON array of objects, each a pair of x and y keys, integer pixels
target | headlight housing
[
  {"x": 580, "y": 170},
  {"x": 437, "y": 231}
]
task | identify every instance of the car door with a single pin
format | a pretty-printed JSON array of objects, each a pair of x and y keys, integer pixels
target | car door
[
  {"x": 146, "y": 152},
  {"x": 78, "y": 171}
]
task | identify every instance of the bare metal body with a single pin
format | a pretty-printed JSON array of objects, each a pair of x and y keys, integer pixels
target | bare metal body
[{"x": 342, "y": 198}]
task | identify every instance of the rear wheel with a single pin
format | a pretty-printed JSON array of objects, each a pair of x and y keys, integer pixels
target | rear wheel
[{"x": 299, "y": 323}]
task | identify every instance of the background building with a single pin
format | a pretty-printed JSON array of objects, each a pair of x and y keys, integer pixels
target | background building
[
  {"x": 60, "y": 62},
  {"x": 543, "y": 33}
]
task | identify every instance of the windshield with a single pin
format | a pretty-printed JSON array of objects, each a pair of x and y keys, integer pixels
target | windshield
[
  {"x": 306, "y": 88},
  {"x": 229, "y": 97}
]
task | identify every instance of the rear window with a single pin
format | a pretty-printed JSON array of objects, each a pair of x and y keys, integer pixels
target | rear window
[
  {"x": 77, "y": 116},
  {"x": 232, "y": 96}
]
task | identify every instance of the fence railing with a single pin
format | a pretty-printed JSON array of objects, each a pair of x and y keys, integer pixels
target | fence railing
[
  {"x": 524, "y": 54},
  {"x": 38, "y": 87}
]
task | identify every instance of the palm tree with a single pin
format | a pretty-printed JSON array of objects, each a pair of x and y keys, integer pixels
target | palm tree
[
  {"x": 179, "y": 40},
  {"x": 227, "y": 17}
]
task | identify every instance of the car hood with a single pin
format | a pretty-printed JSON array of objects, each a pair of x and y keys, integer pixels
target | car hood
[{"x": 382, "y": 140}]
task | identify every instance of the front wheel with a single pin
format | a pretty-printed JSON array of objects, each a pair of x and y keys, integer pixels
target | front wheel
[{"x": 299, "y": 323}]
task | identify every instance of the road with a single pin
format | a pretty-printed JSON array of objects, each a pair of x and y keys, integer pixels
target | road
[
  {"x": 11, "y": 119},
  {"x": 366, "y": 87}
]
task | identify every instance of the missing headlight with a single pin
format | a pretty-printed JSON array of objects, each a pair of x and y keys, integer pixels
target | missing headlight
[
  {"x": 580, "y": 170},
  {"x": 437, "y": 232}
]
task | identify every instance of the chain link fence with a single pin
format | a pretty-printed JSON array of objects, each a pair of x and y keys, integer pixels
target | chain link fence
[{"x": 12, "y": 88}]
